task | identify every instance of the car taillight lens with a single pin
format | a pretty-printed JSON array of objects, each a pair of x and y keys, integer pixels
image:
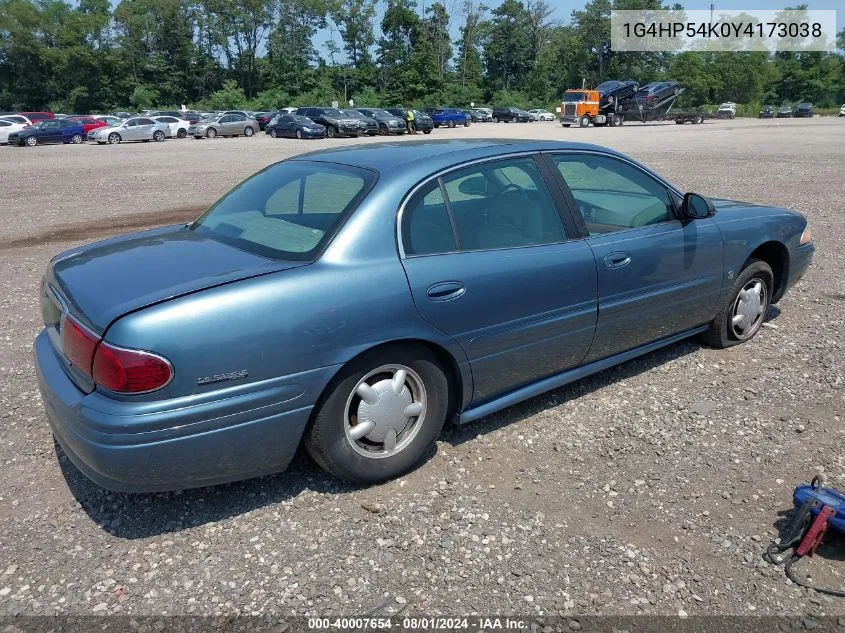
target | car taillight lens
[
  {"x": 130, "y": 371},
  {"x": 78, "y": 345}
]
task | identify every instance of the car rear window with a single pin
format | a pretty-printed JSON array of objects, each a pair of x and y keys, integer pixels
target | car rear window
[{"x": 289, "y": 210}]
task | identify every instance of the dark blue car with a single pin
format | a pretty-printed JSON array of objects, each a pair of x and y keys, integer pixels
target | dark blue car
[
  {"x": 450, "y": 117},
  {"x": 49, "y": 131},
  {"x": 355, "y": 299}
]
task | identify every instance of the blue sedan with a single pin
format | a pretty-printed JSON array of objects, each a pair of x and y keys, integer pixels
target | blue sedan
[{"x": 356, "y": 299}]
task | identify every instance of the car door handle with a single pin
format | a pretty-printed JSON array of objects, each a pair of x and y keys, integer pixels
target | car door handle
[
  {"x": 446, "y": 290},
  {"x": 617, "y": 260}
]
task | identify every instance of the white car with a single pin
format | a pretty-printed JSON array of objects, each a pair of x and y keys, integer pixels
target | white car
[
  {"x": 726, "y": 111},
  {"x": 108, "y": 118},
  {"x": 134, "y": 129},
  {"x": 16, "y": 118},
  {"x": 542, "y": 115},
  {"x": 842, "y": 110},
  {"x": 177, "y": 128},
  {"x": 7, "y": 126}
]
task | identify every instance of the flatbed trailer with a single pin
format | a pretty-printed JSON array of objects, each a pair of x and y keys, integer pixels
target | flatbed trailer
[
  {"x": 691, "y": 116},
  {"x": 634, "y": 110}
]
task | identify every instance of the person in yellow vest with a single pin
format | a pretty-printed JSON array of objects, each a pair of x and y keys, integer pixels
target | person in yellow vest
[{"x": 410, "y": 120}]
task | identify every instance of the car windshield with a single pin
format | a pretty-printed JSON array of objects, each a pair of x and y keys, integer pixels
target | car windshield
[
  {"x": 572, "y": 97},
  {"x": 288, "y": 210}
]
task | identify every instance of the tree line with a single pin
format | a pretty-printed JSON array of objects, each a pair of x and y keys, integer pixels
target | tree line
[{"x": 263, "y": 54}]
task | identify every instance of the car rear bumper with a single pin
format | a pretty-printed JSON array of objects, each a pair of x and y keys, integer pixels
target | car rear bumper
[{"x": 144, "y": 446}]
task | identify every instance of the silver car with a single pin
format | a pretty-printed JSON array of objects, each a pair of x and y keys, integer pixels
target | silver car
[
  {"x": 224, "y": 125},
  {"x": 134, "y": 129}
]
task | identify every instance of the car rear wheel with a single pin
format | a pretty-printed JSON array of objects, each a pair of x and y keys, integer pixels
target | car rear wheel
[
  {"x": 299, "y": 134},
  {"x": 182, "y": 133},
  {"x": 274, "y": 134},
  {"x": 466, "y": 123},
  {"x": 114, "y": 138},
  {"x": 31, "y": 141},
  {"x": 76, "y": 139},
  {"x": 699, "y": 119},
  {"x": 158, "y": 136},
  {"x": 744, "y": 312},
  {"x": 332, "y": 131},
  {"x": 211, "y": 132},
  {"x": 248, "y": 131},
  {"x": 451, "y": 124},
  {"x": 381, "y": 415}
]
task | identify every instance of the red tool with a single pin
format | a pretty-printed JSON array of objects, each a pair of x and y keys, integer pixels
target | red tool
[{"x": 815, "y": 535}]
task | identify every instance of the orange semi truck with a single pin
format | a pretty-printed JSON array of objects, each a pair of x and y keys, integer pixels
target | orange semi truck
[{"x": 582, "y": 107}]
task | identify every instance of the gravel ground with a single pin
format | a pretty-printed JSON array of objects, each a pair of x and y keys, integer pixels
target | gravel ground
[{"x": 652, "y": 487}]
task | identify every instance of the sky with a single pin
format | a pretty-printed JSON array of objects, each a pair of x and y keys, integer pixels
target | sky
[{"x": 564, "y": 9}]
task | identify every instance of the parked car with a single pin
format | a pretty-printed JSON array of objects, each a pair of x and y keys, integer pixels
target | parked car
[
  {"x": 88, "y": 122},
  {"x": 726, "y": 111},
  {"x": 842, "y": 110},
  {"x": 387, "y": 123},
  {"x": 450, "y": 117},
  {"x": 109, "y": 119},
  {"x": 481, "y": 115},
  {"x": 422, "y": 121},
  {"x": 785, "y": 111},
  {"x": 16, "y": 118},
  {"x": 179, "y": 114},
  {"x": 176, "y": 127},
  {"x": 136, "y": 129},
  {"x": 767, "y": 112},
  {"x": 7, "y": 127},
  {"x": 804, "y": 110},
  {"x": 336, "y": 123},
  {"x": 366, "y": 125},
  {"x": 38, "y": 116},
  {"x": 614, "y": 91},
  {"x": 541, "y": 115},
  {"x": 264, "y": 119},
  {"x": 296, "y": 126},
  {"x": 351, "y": 299},
  {"x": 232, "y": 124},
  {"x": 49, "y": 131},
  {"x": 508, "y": 115},
  {"x": 656, "y": 92}
]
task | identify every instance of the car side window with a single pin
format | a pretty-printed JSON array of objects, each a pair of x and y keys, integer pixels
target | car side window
[
  {"x": 503, "y": 204},
  {"x": 426, "y": 227},
  {"x": 613, "y": 195},
  {"x": 238, "y": 117},
  {"x": 4, "y": 124}
]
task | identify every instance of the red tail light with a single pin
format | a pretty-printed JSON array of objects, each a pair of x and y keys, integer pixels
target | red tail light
[
  {"x": 79, "y": 345},
  {"x": 129, "y": 370},
  {"x": 115, "y": 368}
]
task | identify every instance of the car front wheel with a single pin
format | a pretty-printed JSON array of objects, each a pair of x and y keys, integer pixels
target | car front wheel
[
  {"x": 744, "y": 312},
  {"x": 381, "y": 415}
]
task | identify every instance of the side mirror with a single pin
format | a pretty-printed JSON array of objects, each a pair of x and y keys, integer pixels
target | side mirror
[{"x": 697, "y": 207}]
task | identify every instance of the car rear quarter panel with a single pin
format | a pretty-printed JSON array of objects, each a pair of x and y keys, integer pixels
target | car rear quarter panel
[{"x": 353, "y": 298}]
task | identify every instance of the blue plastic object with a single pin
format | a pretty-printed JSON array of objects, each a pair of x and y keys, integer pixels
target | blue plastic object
[{"x": 825, "y": 497}]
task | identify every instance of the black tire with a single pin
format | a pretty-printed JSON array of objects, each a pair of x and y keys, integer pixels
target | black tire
[
  {"x": 158, "y": 136},
  {"x": 210, "y": 133},
  {"x": 326, "y": 439},
  {"x": 452, "y": 123},
  {"x": 466, "y": 123},
  {"x": 565, "y": 124},
  {"x": 182, "y": 133},
  {"x": 496, "y": 120},
  {"x": 248, "y": 131},
  {"x": 720, "y": 333},
  {"x": 114, "y": 138},
  {"x": 698, "y": 120},
  {"x": 76, "y": 139},
  {"x": 584, "y": 121},
  {"x": 275, "y": 134},
  {"x": 31, "y": 141},
  {"x": 426, "y": 131},
  {"x": 299, "y": 134}
]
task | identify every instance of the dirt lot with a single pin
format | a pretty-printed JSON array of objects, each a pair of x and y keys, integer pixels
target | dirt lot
[{"x": 652, "y": 487}]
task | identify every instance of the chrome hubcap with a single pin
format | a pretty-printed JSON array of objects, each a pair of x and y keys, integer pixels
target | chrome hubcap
[
  {"x": 385, "y": 411},
  {"x": 749, "y": 308}
]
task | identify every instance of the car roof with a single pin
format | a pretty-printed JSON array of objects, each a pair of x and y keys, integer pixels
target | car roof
[{"x": 434, "y": 154}]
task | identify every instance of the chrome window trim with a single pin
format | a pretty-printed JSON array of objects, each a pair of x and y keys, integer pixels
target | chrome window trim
[{"x": 443, "y": 172}]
